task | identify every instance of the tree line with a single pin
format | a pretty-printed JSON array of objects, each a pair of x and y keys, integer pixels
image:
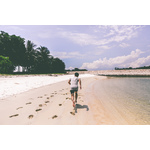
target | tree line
[
  {"x": 15, "y": 53},
  {"x": 76, "y": 69},
  {"x": 130, "y": 68}
]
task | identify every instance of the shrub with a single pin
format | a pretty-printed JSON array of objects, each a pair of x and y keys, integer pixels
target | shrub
[{"x": 6, "y": 66}]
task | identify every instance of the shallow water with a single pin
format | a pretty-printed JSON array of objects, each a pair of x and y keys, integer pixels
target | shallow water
[{"x": 132, "y": 95}]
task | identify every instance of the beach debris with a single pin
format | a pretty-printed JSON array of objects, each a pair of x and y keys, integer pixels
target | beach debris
[
  {"x": 19, "y": 108},
  {"x": 38, "y": 109},
  {"x": 30, "y": 116},
  {"x": 46, "y": 101},
  {"x": 60, "y": 104},
  {"x": 55, "y": 116},
  {"x": 28, "y": 103},
  {"x": 14, "y": 115}
]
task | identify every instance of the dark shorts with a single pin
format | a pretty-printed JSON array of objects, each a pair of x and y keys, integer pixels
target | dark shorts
[{"x": 73, "y": 90}]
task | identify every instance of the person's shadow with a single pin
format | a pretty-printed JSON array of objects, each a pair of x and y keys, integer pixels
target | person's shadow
[{"x": 78, "y": 106}]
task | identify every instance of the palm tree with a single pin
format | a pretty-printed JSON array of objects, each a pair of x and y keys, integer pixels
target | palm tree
[
  {"x": 43, "y": 61},
  {"x": 30, "y": 55}
]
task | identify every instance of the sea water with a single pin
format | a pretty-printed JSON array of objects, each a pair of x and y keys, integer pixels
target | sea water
[{"x": 130, "y": 94}]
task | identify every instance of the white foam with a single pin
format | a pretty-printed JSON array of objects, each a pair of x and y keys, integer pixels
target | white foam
[{"x": 15, "y": 85}]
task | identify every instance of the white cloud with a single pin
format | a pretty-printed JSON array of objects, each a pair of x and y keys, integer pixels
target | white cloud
[
  {"x": 64, "y": 55},
  {"x": 70, "y": 68},
  {"x": 120, "y": 61},
  {"x": 104, "y": 47},
  {"x": 124, "y": 45},
  {"x": 144, "y": 61},
  {"x": 79, "y": 38},
  {"x": 108, "y": 34}
]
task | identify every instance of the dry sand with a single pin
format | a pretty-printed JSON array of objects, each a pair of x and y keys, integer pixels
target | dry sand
[{"x": 52, "y": 105}]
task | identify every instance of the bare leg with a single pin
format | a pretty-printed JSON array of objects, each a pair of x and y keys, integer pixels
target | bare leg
[
  {"x": 76, "y": 96},
  {"x": 72, "y": 98}
]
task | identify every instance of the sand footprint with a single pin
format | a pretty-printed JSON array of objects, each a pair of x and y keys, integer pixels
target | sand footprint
[
  {"x": 46, "y": 101},
  {"x": 14, "y": 115},
  {"x": 19, "y": 108},
  {"x": 72, "y": 113},
  {"x": 30, "y": 116},
  {"x": 40, "y": 105},
  {"x": 55, "y": 116},
  {"x": 60, "y": 104},
  {"x": 40, "y": 97},
  {"x": 28, "y": 103},
  {"x": 38, "y": 110}
]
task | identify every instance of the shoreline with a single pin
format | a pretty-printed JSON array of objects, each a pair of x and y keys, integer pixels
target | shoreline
[
  {"x": 51, "y": 105},
  {"x": 128, "y": 75},
  {"x": 119, "y": 73}
]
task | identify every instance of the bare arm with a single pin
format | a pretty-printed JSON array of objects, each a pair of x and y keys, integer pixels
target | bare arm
[
  {"x": 69, "y": 81},
  {"x": 80, "y": 83}
]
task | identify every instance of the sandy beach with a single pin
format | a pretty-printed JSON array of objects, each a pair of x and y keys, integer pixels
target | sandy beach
[{"x": 51, "y": 105}]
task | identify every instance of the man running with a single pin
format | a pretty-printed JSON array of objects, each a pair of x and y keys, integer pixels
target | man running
[{"x": 74, "y": 87}]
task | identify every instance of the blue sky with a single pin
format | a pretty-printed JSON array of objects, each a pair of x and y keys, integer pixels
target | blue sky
[{"x": 92, "y": 47}]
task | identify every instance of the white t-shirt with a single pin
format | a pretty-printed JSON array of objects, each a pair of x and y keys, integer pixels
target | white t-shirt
[{"x": 74, "y": 82}]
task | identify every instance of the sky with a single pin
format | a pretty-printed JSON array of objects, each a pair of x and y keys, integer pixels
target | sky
[{"x": 91, "y": 47}]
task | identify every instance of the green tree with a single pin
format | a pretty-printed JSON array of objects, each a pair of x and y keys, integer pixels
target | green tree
[
  {"x": 6, "y": 66},
  {"x": 42, "y": 60},
  {"x": 58, "y": 66},
  {"x": 13, "y": 47},
  {"x": 34, "y": 60},
  {"x": 5, "y": 44},
  {"x": 17, "y": 54},
  {"x": 30, "y": 55}
]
